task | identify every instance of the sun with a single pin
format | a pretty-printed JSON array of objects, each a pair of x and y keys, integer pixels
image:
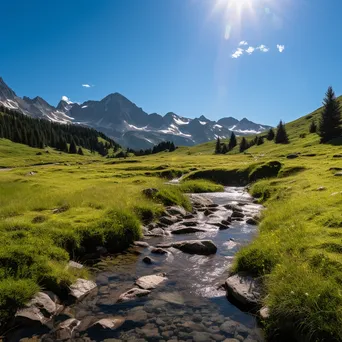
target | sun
[{"x": 235, "y": 6}]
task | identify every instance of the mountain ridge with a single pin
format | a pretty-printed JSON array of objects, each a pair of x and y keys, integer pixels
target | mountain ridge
[{"x": 124, "y": 121}]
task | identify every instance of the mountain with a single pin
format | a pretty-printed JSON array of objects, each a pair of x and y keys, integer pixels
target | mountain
[{"x": 128, "y": 124}]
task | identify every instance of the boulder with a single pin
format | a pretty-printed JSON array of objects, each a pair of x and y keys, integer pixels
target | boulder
[
  {"x": 156, "y": 232},
  {"x": 40, "y": 309},
  {"x": 237, "y": 214},
  {"x": 223, "y": 226},
  {"x": 133, "y": 294},
  {"x": 201, "y": 247},
  {"x": 244, "y": 289},
  {"x": 208, "y": 212},
  {"x": 233, "y": 207},
  {"x": 81, "y": 288},
  {"x": 176, "y": 210},
  {"x": 141, "y": 244},
  {"x": 189, "y": 216},
  {"x": 337, "y": 156},
  {"x": 168, "y": 220},
  {"x": 338, "y": 174},
  {"x": 187, "y": 230},
  {"x": 158, "y": 251},
  {"x": 226, "y": 222},
  {"x": 252, "y": 221},
  {"x": 190, "y": 223},
  {"x": 147, "y": 260},
  {"x": 199, "y": 200},
  {"x": 151, "y": 281},
  {"x": 213, "y": 205},
  {"x": 66, "y": 329},
  {"x": 110, "y": 323}
]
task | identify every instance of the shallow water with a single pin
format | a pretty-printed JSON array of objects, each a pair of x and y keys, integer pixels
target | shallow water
[{"x": 191, "y": 305}]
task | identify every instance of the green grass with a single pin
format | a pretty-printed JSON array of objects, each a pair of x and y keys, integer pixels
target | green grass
[{"x": 100, "y": 201}]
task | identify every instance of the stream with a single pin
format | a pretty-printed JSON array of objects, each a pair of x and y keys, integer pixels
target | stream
[{"x": 191, "y": 305}]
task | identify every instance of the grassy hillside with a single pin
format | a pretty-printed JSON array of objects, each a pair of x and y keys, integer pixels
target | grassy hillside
[{"x": 298, "y": 250}]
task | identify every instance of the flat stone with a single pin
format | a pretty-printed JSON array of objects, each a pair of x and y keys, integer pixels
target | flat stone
[
  {"x": 151, "y": 281},
  {"x": 292, "y": 156},
  {"x": 171, "y": 297},
  {"x": 141, "y": 244},
  {"x": 234, "y": 328},
  {"x": 156, "y": 232},
  {"x": 187, "y": 230},
  {"x": 111, "y": 323},
  {"x": 137, "y": 314},
  {"x": 199, "y": 200},
  {"x": 208, "y": 212},
  {"x": 245, "y": 289},
  {"x": 223, "y": 226},
  {"x": 81, "y": 288},
  {"x": 201, "y": 247},
  {"x": 40, "y": 309},
  {"x": 233, "y": 207},
  {"x": 75, "y": 265},
  {"x": 200, "y": 336},
  {"x": 133, "y": 294},
  {"x": 338, "y": 174},
  {"x": 158, "y": 251},
  {"x": 66, "y": 329},
  {"x": 176, "y": 210},
  {"x": 168, "y": 220},
  {"x": 190, "y": 223}
]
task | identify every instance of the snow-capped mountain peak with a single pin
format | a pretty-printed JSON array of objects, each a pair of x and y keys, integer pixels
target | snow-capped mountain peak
[{"x": 128, "y": 124}]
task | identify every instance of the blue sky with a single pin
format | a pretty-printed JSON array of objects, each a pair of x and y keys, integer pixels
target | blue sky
[{"x": 177, "y": 55}]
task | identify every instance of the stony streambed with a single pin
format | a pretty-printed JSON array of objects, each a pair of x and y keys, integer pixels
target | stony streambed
[{"x": 185, "y": 301}]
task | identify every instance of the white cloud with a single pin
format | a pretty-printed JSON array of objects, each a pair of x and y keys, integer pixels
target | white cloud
[
  {"x": 86, "y": 85},
  {"x": 250, "y": 50},
  {"x": 263, "y": 48},
  {"x": 238, "y": 53},
  {"x": 243, "y": 42},
  {"x": 281, "y": 48},
  {"x": 66, "y": 99}
]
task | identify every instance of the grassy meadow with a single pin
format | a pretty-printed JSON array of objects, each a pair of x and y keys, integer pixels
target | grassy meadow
[{"x": 56, "y": 207}]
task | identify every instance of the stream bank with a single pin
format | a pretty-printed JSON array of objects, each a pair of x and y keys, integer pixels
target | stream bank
[{"x": 188, "y": 305}]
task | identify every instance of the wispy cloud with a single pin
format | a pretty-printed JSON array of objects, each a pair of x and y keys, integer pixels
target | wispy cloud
[
  {"x": 87, "y": 85},
  {"x": 281, "y": 48},
  {"x": 250, "y": 50},
  {"x": 263, "y": 48},
  {"x": 238, "y": 53},
  {"x": 243, "y": 42}
]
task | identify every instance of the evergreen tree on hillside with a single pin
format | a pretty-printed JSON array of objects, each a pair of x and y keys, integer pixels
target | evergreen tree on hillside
[
  {"x": 270, "y": 135},
  {"x": 224, "y": 149},
  {"x": 281, "y": 135},
  {"x": 73, "y": 147},
  {"x": 218, "y": 146},
  {"x": 330, "y": 124},
  {"x": 243, "y": 145},
  {"x": 260, "y": 141},
  {"x": 313, "y": 127},
  {"x": 80, "y": 151},
  {"x": 232, "y": 141}
]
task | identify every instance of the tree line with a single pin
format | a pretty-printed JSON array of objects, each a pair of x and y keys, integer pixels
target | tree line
[
  {"x": 329, "y": 128},
  {"x": 41, "y": 133}
]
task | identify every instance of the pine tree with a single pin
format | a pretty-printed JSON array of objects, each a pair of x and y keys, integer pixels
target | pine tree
[
  {"x": 281, "y": 135},
  {"x": 243, "y": 144},
  {"x": 270, "y": 135},
  {"x": 224, "y": 149},
  {"x": 232, "y": 141},
  {"x": 218, "y": 146},
  {"x": 260, "y": 141},
  {"x": 313, "y": 127},
  {"x": 80, "y": 151},
  {"x": 330, "y": 124},
  {"x": 73, "y": 147},
  {"x": 172, "y": 147}
]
